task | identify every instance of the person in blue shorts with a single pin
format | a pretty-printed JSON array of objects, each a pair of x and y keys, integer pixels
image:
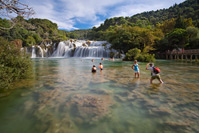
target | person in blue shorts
[{"x": 135, "y": 67}]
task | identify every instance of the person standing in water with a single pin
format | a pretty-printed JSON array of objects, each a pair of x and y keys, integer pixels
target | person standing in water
[
  {"x": 100, "y": 66},
  {"x": 94, "y": 69},
  {"x": 135, "y": 67},
  {"x": 154, "y": 73}
]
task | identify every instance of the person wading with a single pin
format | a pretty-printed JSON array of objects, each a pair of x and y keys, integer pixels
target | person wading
[
  {"x": 94, "y": 69},
  {"x": 135, "y": 67},
  {"x": 100, "y": 66},
  {"x": 155, "y": 72}
]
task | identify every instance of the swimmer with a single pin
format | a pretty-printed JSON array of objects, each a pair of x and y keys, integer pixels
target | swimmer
[
  {"x": 94, "y": 69},
  {"x": 100, "y": 66}
]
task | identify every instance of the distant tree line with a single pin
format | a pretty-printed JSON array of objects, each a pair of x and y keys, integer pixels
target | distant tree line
[
  {"x": 32, "y": 31},
  {"x": 151, "y": 32}
]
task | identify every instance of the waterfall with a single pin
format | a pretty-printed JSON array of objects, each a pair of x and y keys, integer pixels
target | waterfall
[
  {"x": 41, "y": 50},
  {"x": 91, "y": 52},
  {"x": 63, "y": 50},
  {"x": 81, "y": 48},
  {"x": 21, "y": 49},
  {"x": 33, "y": 52},
  {"x": 45, "y": 52},
  {"x": 72, "y": 48}
]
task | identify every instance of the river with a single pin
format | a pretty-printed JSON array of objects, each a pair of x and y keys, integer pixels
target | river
[{"x": 65, "y": 97}]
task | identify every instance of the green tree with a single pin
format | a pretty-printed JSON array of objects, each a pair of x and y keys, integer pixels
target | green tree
[
  {"x": 192, "y": 32},
  {"x": 13, "y": 65},
  {"x": 132, "y": 54},
  {"x": 193, "y": 37},
  {"x": 180, "y": 23},
  {"x": 136, "y": 54},
  {"x": 177, "y": 39},
  {"x": 167, "y": 26},
  {"x": 30, "y": 41},
  {"x": 10, "y": 7}
]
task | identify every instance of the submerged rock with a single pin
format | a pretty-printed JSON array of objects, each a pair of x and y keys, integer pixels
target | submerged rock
[
  {"x": 89, "y": 108},
  {"x": 160, "y": 111},
  {"x": 101, "y": 91},
  {"x": 176, "y": 124}
]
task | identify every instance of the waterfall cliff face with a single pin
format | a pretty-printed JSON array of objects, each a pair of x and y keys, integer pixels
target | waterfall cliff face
[
  {"x": 81, "y": 48},
  {"x": 33, "y": 52},
  {"x": 36, "y": 51},
  {"x": 64, "y": 49},
  {"x": 94, "y": 49},
  {"x": 73, "y": 48},
  {"x": 42, "y": 52}
]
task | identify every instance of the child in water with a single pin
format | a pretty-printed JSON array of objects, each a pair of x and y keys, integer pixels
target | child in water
[
  {"x": 135, "y": 67},
  {"x": 94, "y": 69},
  {"x": 100, "y": 66}
]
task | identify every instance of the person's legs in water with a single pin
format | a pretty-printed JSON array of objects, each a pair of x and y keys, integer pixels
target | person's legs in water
[
  {"x": 151, "y": 80},
  {"x": 156, "y": 77},
  {"x": 137, "y": 74},
  {"x": 160, "y": 80}
]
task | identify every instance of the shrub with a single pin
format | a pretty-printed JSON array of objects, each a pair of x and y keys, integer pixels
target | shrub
[
  {"x": 13, "y": 65},
  {"x": 145, "y": 57},
  {"x": 132, "y": 54},
  {"x": 30, "y": 41},
  {"x": 136, "y": 54}
]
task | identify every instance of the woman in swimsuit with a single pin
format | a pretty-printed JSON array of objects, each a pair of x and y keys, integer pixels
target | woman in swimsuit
[{"x": 135, "y": 67}]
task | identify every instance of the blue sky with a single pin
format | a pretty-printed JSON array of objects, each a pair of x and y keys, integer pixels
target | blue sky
[{"x": 84, "y": 14}]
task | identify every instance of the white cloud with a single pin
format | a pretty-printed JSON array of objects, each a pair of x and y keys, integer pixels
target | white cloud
[
  {"x": 97, "y": 24},
  {"x": 132, "y": 7},
  {"x": 67, "y": 13}
]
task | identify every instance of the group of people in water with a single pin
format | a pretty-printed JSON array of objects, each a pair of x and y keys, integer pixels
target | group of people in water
[
  {"x": 94, "y": 69},
  {"x": 155, "y": 72}
]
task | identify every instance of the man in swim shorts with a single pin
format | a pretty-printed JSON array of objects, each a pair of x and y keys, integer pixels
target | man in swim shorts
[{"x": 153, "y": 74}]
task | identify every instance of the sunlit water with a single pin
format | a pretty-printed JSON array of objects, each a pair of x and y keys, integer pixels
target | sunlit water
[{"x": 65, "y": 97}]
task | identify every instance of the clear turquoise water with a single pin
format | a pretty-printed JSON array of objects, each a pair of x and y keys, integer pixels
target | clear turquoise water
[{"x": 65, "y": 97}]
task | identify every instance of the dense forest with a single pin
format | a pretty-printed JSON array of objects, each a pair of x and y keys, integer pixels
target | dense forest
[
  {"x": 187, "y": 9},
  {"x": 151, "y": 32},
  {"x": 33, "y": 31}
]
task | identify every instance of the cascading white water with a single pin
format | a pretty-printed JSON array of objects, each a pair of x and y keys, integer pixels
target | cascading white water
[
  {"x": 73, "y": 48},
  {"x": 45, "y": 51},
  {"x": 21, "y": 49},
  {"x": 63, "y": 50},
  {"x": 33, "y": 52},
  {"x": 81, "y": 48},
  {"x": 41, "y": 50},
  {"x": 91, "y": 52}
]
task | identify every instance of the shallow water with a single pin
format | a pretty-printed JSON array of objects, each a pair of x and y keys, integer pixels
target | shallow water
[{"x": 65, "y": 97}]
